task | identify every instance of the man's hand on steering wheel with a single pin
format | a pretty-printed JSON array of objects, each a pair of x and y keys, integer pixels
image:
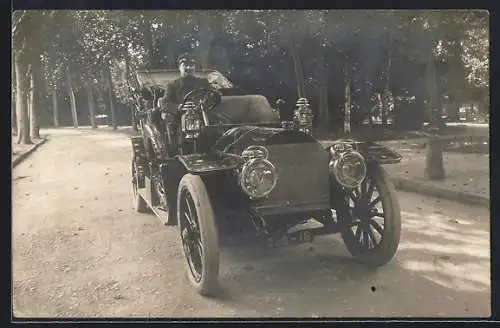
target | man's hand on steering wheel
[{"x": 206, "y": 98}]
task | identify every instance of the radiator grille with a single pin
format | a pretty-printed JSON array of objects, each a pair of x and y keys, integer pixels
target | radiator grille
[{"x": 302, "y": 177}]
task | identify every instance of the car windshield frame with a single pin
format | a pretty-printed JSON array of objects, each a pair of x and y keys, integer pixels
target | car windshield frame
[{"x": 154, "y": 79}]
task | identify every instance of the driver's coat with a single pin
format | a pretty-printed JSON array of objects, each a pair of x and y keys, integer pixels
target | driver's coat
[{"x": 176, "y": 91}]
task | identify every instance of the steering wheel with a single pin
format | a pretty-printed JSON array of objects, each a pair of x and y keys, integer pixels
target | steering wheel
[{"x": 205, "y": 98}]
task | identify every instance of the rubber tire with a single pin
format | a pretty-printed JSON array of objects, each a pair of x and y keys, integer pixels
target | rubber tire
[
  {"x": 139, "y": 204},
  {"x": 388, "y": 246},
  {"x": 209, "y": 283}
]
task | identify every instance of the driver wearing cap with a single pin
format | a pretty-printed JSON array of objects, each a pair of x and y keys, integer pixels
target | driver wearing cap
[
  {"x": 187, "y": 82},
  {"x": 174, "y": 96}
]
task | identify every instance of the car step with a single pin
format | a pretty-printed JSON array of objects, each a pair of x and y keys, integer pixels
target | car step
[{"x": 160, "y": 213}]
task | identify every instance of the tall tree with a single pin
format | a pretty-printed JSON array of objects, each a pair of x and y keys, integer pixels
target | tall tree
[
  {"x": 55, "y": 107},
  {"x": 434, "y": 169},
  {"x": 20, "y": 34},
  {"x": 31, "y": 33},
  {"x": 34, "y": 98},
  {"x": 90, "y": 99},
  {"x": 111, "y": 95},
  {"x": 71, "y": 94},
  {"x": 13, "y": 99},
  {"x": 23, "y": 127}
]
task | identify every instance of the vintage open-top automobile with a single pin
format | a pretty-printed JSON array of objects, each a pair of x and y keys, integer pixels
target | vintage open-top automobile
[{"x": 233, "y": 163}]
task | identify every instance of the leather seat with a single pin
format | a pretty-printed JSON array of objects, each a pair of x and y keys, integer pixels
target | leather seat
[{"x": 246, "y": 109}]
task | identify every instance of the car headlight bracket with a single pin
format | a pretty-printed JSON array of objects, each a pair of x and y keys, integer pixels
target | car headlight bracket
[
  {"x": 347, "y": 165},
  {"x": 258, "y": 176}
]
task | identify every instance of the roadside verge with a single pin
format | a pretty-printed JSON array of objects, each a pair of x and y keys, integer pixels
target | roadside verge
[
  {"x": 425, "y": 189},
  {"x": 21, "y": 152}
]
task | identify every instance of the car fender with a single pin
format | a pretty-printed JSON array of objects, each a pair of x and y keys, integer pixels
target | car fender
[
  {"x": 381, "y": 154},
  {"x": 211, "y": 162},
  {"x": 371, "y": 151},
  {"x": 155, "y": 138},
  {"x": 138, "y": 147}
]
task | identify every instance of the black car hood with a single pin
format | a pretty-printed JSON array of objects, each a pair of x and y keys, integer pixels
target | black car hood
[{"x": 237, "y": 139}]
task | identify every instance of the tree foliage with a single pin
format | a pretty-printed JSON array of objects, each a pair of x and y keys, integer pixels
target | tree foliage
[{"x": 379, "y": 52}]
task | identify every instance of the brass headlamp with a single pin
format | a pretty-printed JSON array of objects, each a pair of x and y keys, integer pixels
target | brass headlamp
[{"x": 303, "y": 116}]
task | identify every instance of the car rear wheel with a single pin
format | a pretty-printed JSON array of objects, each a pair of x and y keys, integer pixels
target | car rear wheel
[
  {"x": 199, "y": 235},
  {"x": 371, "y": 219}
]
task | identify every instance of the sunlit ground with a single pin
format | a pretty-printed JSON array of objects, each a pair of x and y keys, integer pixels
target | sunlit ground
[
  {"x": 442, "y": 267},
  {"x": 454, "y": 253}
]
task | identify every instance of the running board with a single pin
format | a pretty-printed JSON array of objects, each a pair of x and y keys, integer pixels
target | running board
[
  {"x": 160, "y": 214},
  {"x": 145, "y": 193}
]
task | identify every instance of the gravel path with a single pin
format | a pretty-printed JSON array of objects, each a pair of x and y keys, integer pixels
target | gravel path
[{"x": 79, "y": 250}]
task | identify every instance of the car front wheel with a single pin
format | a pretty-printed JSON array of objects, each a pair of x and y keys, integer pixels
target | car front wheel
[
  {"x": 371, "y": 219},
  {"x": 198, "y": 234}
]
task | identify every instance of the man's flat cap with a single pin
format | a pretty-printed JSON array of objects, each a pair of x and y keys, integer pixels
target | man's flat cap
[{"x": 185, "y": 57}]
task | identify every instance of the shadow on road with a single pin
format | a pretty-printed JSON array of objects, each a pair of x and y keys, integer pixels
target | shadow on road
[
  {"x": 442, "y": 269},
  {"x": 80, "y": 250},
  {"x": 452, "y": 253}
]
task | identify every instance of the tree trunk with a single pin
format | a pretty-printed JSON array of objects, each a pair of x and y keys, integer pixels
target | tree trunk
[
  {"x": 171, "y": 61},
  {"x": 148, "y": 42},
  {"x": 23, "y": 127},
  {"x": 134, "y": 123},
  {"x": 323, "y": 108},
  {"x": 370, "y": 114},
  {"x": 434, "y": 169},
  {"x": 205, "y": 38},
  {"x": 28, "y": 94},
  {"x": 13, "y": 117},
  {"x": 347, "y": 109},
  {"x": 452, "y": 109},
  {"x": 90, "y": 99},
  {"x": 55, "y": 109},
  {"x": 398, "y": 110},
  {"x": 385, "y": 100},
  {"x": 127, "y": 79},
  {"x": 298, "y": 69},
  {"x": 365, "y": 105},
  {"x": 382, "y": 109},
  {"x": 72, "y": 99},
  {"x": 111, "y": 98},
  {"x": 34, "y": 107}
]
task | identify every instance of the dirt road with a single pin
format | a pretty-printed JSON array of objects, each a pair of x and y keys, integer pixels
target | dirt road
[{"x": 79, "y": 250}]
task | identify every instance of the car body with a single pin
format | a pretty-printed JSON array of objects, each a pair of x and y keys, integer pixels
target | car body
[{"x": 242, "y": 169}]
